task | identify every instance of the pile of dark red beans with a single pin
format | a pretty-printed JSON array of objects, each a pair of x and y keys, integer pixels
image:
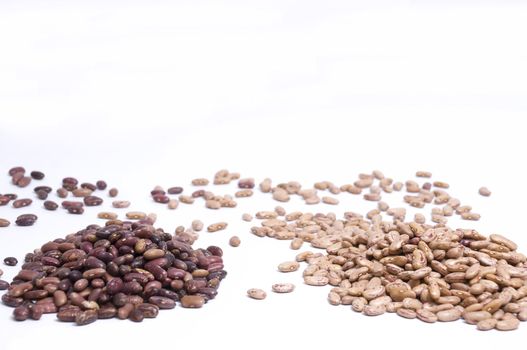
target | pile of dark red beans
[{"x": 128, "y": 270}]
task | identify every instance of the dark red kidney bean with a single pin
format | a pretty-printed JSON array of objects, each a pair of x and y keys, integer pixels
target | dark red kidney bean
[
  {"x": 50, "y": 261},
  {"x": 136, "y": 315},
  {"x": 215, "y": 250},
  {"x": 86, "y": 317},
  {"x": 59, "y": 298},
  {"x": 21, "y": 313},
  {"x": 47, "y": 281},
  {"x": 112, "y": 269},
  {"x": 4, "y": 200},
  {"x": 72, "y": 204},
  {"x": 16, "y": 177},
  {"x": 50, "y": 205},
  {"x": 70, "y": 183},
  {"x": 217, "y": 274},
  {"x": 50, "y": 288},
  {"x": 136, "y": 276},
  {"x": 95, "y": 294},
  {"x": 11, "y": 196},
  {"x": 151, "y": 292},
  {"x": 11, "y": 261},
  {"x": 162, "y": 302},
  {"x": 124, "y": 311},
  {"x": 86, "y": 246},
  {"x": 63, "y": 272},
  {"x": 65, "y": 246},
  {"x": 161, "y": 198},
  {"x": 157, "y": 192},
  {"x": 101, "y": 185},
  {"x": 47, "y": 307},
  {"x": 97, "y": 283},
  {"x": 177, "y": 284},
  {"x": 246, "y": 183},
  {"x": 198, "y": 193},
  {"x": 42, "y": 195},
  {"x": 75, "y": 210},
  {"x": 4, "y": 285},
  {"x": 88, "y": 186},
  {"x": 94, "y": 273},
  {"x": 149, "y": 310},
  {"x": 91, "y": 201},
  {"x": 46, "y": 189},
  {"x": 76, "y": 298},
  {"x": 36, "y": 294},
  {"x": 27, "y": 275},
  {"x": 75, "y": 275},
  {"x": 68, "y": 315},
  {"x": 132, "y": 287},
  {"x": 24, "y": 181},
  {"x": 11, "y": 301},
  {"x": 92, "y": 263},
  {"x": 37, "y": 175},
  {"x": 215, "y": 267},
  {"x": 175, "y": 190},
  {"x": 125, "y": 250},
  {"x": 175, "y": 273},
  {"x": 210, "y": 293},
  {"x": 16, "y": 169},
  {"x": 80, "y": 285},
  {"x": 35, "y": 313},
  {"x": 104, "y": 298},
  {"x": 213, "y": 283},
  {"x": 167, "y": 294},
  {"x": 152, "y": 285},
  {"x": 159, "y": 273},
  {"x": 107, "y": 311},
  {"x": 26, "y": 220},
  {"x": 119, "y": 299},
  {"x": 162, "y": 262},
  {"x": 181, "y": 246},
  {"x": 64, "y": 285},
  {"x": 49, "y": 246},
  {"x": 62, "y": 192},
  {"x": 23, "y": 202}
]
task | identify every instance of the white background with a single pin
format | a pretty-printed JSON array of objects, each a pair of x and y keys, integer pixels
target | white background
[{"x": 158, "y": 92}]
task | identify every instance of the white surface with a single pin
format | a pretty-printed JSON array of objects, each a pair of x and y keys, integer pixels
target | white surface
[{"x": 147, "y": 93}]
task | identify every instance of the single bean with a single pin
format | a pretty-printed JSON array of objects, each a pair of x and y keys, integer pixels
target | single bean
[
  {"x": 256, "y": 293},
  {"x": 283, "y": 287},
  {"x": 192, "y": 301},
  {"x": 234, "y": 241},
  {"x": 86, "y": 317},
  {"x": 23, "y": 202},
  {"x": 50, "y": 205}
]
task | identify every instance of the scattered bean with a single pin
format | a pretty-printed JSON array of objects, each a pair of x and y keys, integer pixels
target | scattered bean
[
  {"x": 234, "y": 241},
  {"x": 107, "y": 215},
  {"x": 26, "y": 220},
  {"x": 113, "y": 192},
  {"x": 256, "y": 293},
  {"x": 20, "y": 203},
  {"x": 200, "y": 182},
  {"x": 10, "y": 261},
  {"x": 283, "y": 287},
  {"x": 288, "y": 266},
  {"x": 120, "y": 204},
  {"x": 217, "y": 226}
]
